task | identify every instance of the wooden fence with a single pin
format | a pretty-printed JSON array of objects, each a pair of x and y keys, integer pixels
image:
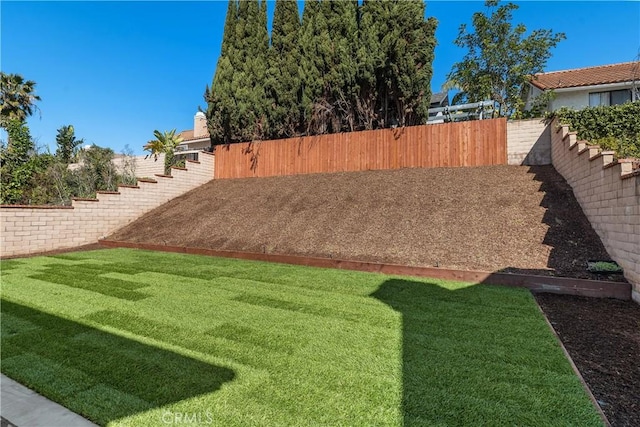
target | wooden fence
[{"x": 472, "y": 143}]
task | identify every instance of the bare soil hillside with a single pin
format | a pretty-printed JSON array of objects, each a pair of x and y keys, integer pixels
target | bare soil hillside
[{"x": 508, "y": 218}]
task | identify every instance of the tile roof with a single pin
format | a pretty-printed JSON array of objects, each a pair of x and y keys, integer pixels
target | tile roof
[
  {"x": 187, "y": 135},
  {"x": 589, "y": 76}
]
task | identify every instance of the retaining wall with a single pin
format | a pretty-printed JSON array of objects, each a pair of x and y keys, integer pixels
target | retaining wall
[
  {"x": 34, "y": 229},
  {"x": 528, "y": 142},
  {"x": 608, "y": 191},
  {"x": 145, "y": 166}
]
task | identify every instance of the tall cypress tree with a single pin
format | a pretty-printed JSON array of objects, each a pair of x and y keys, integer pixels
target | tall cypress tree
[
  {"x": 314, "y": 42},
  {"x": 340, "y": 59},
  {"x": 221, "y": 109},
  {"x": 370, "y": 59},
  {"x": 405, "y": 43},
  {"x": 283, "y": 78},
  {"x": 251, "y": 45},
  {"x": 414, "y": 66}
]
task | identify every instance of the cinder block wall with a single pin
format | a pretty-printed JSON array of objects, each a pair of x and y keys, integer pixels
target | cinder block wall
[
  {"x": 528, "y": 142},
  {"x": 34, "y": 229},
  {"x": 608, "y": 191},
  {"x": 145, "y": 167}
]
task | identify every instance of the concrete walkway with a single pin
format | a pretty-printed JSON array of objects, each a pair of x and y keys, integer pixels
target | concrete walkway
[{"x": 22, "y": 407}]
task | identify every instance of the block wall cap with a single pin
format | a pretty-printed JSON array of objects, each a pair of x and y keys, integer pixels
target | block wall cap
[
  {"x": 163, "y": 176},
  {"x": 83, "y": 199},
  {"x": 193, "y": 161},
  {"x": 149, "y": 180},
  {"x": 107, "y": 192},
  {"x": 630, "y": 174},
  {"x": 178, "y": 168}
]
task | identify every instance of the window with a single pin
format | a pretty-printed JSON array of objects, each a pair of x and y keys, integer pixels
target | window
[
  {"x": 620, "y": 96},
  {"x": 599, "y": 98},
  {"x": 614, "y": 97}
]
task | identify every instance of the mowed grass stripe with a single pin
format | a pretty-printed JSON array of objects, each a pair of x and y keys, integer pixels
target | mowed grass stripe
[
  {"x": 67, "y": 276},
  {"x": 265, "y": 344}
]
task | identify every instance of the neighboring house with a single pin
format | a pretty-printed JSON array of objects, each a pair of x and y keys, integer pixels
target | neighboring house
[
  {"x": 588, "y": 87},
  {"x": 440, "y": 99},
  {"x": 196, "y": 139}
]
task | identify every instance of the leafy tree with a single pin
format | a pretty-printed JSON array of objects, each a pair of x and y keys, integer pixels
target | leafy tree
[
  {"x": 283, "y": 77},
  {"x": 17, "y": 98},
  {"x": 19, "y": 164},
  {"x": 165, "y": 143},
  {"x": 68, "y": 145},
  {"x": 500, "y": 58},
  {"x": 97, "y": 171}
]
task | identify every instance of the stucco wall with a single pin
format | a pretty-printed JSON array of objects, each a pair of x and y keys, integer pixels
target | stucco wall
[
  {"x": 608, "y": 191},
  {"x": 27, "y": 230},
  {"x": 576, "y": 100},
  {"x": 528, "y": 142}
]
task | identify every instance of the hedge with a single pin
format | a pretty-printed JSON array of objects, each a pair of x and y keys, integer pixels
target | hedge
[{"x": 615, "y": 127}]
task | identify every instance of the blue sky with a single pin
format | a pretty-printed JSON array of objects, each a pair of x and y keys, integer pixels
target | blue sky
[{"x": 118, "y": 70}]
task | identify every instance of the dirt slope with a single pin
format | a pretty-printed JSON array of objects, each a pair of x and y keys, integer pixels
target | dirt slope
[{"x": 488, "y": 218}]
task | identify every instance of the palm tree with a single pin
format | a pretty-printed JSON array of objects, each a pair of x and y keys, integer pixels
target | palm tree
[
  {"x": 165, "y": 142},
  {"x": 17, "y": 97}
]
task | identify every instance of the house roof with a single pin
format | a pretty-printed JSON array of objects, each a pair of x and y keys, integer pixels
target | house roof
[
  {"x": 589, "y": 76},
  {"x": 187, "y": 135},
  {"x": 437, "y": 98}
]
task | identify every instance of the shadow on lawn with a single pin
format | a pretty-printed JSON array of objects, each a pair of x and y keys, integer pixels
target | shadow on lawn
[
  {"x": 424, "y": 369},
  {"x": 473, "y": 356},
  {"x": 99, "y": 375}
]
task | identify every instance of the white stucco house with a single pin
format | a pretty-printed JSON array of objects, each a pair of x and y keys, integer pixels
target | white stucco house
[
  {"x": 196, "y": 139},
  {"x": 587, "y": 87}
]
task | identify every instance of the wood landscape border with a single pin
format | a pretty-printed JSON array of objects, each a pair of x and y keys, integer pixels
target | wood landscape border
[{"x": 535, "y": 283}]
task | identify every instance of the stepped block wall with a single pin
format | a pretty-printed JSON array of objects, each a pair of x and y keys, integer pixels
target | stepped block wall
[
  {"x": 608, "y": 190},
  {"x": 35, "y": 229}
]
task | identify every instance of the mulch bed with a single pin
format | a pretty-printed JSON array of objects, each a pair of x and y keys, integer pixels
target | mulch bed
[
  {"x": 494, "y": 218},
  {"x": 603, "y": 338}
]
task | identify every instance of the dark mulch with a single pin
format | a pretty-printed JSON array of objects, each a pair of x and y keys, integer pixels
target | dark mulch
[
  {"x": 603, "y": 338},
  {"x": 496, "y": 218}
]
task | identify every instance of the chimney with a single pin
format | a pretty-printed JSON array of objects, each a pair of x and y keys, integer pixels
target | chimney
[{"x": 200, "y": 125}]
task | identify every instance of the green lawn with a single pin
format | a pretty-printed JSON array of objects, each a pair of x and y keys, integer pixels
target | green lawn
[{"x": 128, "y": 337}]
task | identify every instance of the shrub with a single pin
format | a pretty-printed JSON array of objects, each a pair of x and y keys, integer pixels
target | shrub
[{"x": 615, "y": 127}]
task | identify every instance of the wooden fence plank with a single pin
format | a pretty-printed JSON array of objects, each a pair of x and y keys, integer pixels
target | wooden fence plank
[{"x": 473, "y": 143}]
